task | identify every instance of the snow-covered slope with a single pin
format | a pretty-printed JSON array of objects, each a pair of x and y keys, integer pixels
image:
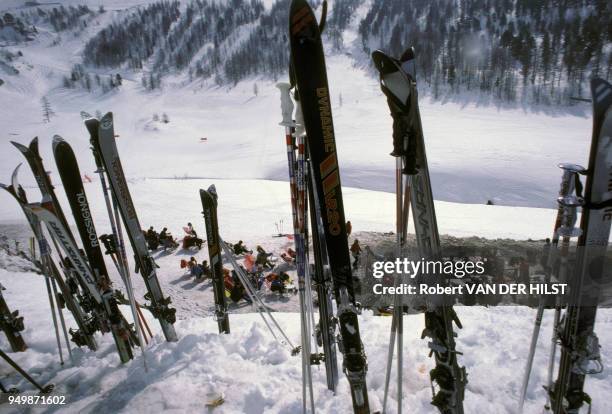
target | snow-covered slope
[
  {"x": 257, "y": 375},
  {"x": 476, "y": 153}
]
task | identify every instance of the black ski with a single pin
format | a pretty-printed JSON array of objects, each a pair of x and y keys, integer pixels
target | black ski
[
  {"x": 104, "y": 147},
  {"x": 400, "y": 88},
  {"x": 579, "y": 344},
  {"x": 326, "y": 329},
  {"x": 308, "y": 63},
  {"x": 209, "y": 206},
  {"x": 73, "y": 186},
  {"x": 12, "y": 325},
  {"x": 69, "y": 287}
]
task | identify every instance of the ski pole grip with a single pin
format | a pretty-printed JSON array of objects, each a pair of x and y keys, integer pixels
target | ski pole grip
[
  {"x": 286, "y": 104},
  {"x": 299, "y": 121}
]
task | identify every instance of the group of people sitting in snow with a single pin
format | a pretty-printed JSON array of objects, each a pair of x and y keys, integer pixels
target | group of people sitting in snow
[
  {"x": 260, "y": 270},
  {"x": 166, "y": 241}
]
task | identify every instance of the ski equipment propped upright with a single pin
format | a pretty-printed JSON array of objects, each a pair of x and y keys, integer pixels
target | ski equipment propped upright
[
  {"x": 209, "y": 206},
  {"x": 68, "y": 287},
  {"x": 104, "y": 146},
  {"x": 399, "y": 85},
  {"x": 75, "y": 192},
  {"x": 308, "y": 63},
  {"x": 12, "y": 325},
  {"x": 580, "y": 355}
]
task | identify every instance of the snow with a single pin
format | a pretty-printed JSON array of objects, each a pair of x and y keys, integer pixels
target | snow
[
  {"x": 257, "y": 374},
  {"x": 476, "y": 152}
]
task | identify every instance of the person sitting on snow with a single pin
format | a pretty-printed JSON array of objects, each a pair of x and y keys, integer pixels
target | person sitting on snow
[
  {"x": 240, "y": 248},
  {"x": 152, "y": 238},
  {"x": 262, "y": 258},
  {"x": 166, "y": 239},
  {"x": 205, "y": 270},
  {"x": 190, "y": 231}
]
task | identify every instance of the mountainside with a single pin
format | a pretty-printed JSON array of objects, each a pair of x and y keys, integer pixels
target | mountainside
[
  {"x": 191, "y": 84},
  {"x": 541, "y": 51}
]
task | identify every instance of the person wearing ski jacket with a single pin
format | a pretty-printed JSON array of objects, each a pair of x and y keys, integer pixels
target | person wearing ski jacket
[
  {"x": 240, "y": 248},
  {"x": 349, "y": 228},
  {"x": 205, "y": 269},
  {"x": 262, "y": 258},
  {"x": 152, "y": 238}
]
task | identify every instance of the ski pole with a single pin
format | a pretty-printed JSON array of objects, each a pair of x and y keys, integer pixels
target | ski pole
[
  {"x": 567, "y": 188},
  {"x": 54, "y": 316},
  {"x": 121, "y": 256},
  {"x": 46, "y": 389},
  {"x": 296, "y": 181},
  {"x": 61, "y": 318}
]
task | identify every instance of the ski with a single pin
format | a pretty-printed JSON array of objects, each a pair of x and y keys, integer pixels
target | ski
[
  {"x": 106, "y": 312},
  {"x": 326, "y": 330},
  {"x": 115, "y": 247},
  {"x": 399, "y": 85},
  {"x": 580, "y": 354},
  {"x": 84, "y": 336},
  {"x": 12, "y": 325},
  {"x": 209, "y": 206},
  {"x": 555, "y": 261},
  {"x": 308, "y": 64},
  {"x": 70, "y": 175},
  {"x": 104, "y": 147}
]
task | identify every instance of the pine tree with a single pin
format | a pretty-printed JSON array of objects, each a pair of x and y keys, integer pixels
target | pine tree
[{"x": 47, "y": 112}]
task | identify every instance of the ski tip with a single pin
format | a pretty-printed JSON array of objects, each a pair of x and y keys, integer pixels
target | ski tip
[
  {"x": 106, "y": 121},
  {"x": 301, "y": 18},
  {"x": 409, "y": 54},
  {"x": 92, "y": 125},
  {"x": 20, "y": 146},
  {"x": 34, "y": 145},
  {"x": 601, "y": 91},
  {"x": 383, "y": 62},
  {"x": 57, "y": 140}
]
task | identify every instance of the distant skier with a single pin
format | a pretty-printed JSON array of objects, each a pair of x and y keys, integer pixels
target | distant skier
[
  {"x": 349, "y": 228},
  {"x": 356, "y": 252}
]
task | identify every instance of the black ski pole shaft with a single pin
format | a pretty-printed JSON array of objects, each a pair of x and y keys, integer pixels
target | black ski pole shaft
[{"x": 23, "y": 373}]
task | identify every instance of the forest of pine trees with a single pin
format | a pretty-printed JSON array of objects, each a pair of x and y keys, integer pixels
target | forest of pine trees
[{"x": 541, "y": 51}]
